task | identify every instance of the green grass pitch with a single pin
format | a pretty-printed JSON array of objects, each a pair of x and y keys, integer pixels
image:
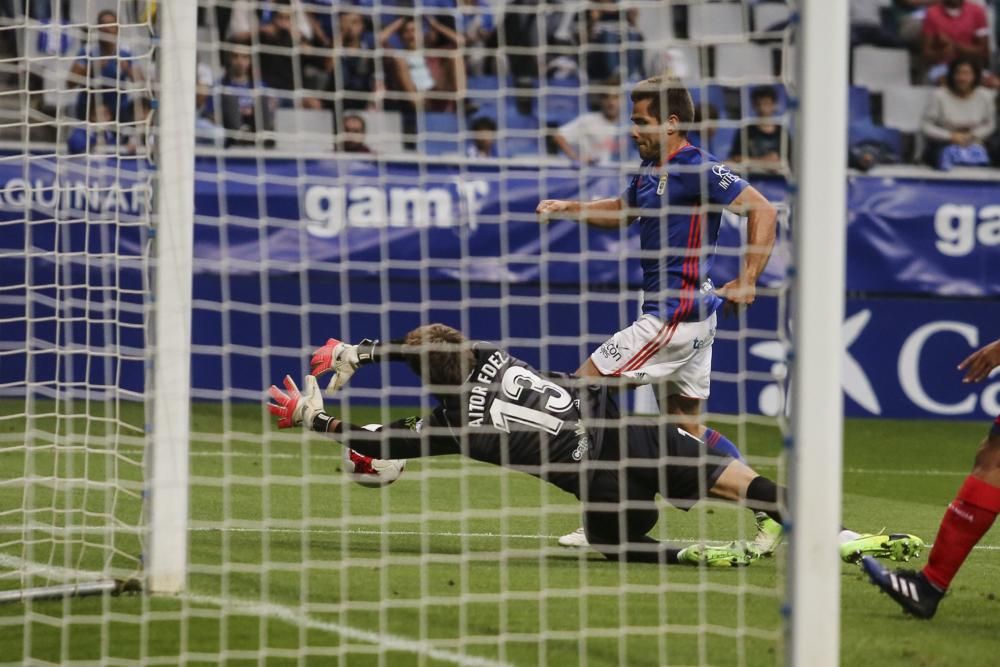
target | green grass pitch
[{"x": 291, "y": 563}]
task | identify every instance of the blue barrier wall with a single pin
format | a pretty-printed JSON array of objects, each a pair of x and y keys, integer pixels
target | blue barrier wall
[{"x": 289, "y": 253}]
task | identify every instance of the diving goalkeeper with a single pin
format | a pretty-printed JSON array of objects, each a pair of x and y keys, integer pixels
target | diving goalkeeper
[{"x": 497, "y": 409}]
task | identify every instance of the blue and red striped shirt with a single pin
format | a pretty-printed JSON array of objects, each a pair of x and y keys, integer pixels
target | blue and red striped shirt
[{"x": 679, "y": 209}]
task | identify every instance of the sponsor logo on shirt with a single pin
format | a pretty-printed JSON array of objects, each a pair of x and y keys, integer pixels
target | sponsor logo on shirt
[
  {"x": 610, "y": 351},
  {"x": 700, "y": 343},
  {"x": 582, "y": 442},
  {"x": 726, "y": 176}
]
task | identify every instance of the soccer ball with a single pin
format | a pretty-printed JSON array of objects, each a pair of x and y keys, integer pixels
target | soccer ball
[{"x": 372, "y": 472}]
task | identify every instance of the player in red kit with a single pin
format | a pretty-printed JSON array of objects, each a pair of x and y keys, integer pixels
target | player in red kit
[{"x": 968, "y": 518}]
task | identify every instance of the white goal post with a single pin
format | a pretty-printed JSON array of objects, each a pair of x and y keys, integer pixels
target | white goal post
[
  {"x": 173, "y": 223},
  {"x": 816, "y": 446}
]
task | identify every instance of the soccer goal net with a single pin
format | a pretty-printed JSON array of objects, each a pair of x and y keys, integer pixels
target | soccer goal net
[{"x": 194, "y": 199}]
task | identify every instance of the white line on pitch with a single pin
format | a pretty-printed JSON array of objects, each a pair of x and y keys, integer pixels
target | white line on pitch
[
  {"x": 337, "y": 457},
  {"x": 411, "y": 533},
  {"x": 895, "y": 471},
  {"x": 353, "y": 531},
  {"x": 382, "y": 640},
  {"x": 271, "y": 610}
]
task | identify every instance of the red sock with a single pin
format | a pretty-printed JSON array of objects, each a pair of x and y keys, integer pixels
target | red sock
[{"x": 968, "y": 518}]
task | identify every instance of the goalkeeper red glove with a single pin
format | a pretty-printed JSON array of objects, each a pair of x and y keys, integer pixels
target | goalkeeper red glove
[
  {"x": 342, "y": 359},
  {"x": 295, "y": 407}
]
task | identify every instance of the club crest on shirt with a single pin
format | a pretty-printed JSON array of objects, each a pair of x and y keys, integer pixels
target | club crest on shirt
[{"x": 661, "y": 187}]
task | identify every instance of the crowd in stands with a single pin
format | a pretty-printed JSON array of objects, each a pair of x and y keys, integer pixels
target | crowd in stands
[
  {"x": 490, "y": 79},
  {"x": 947, "y": 71}
]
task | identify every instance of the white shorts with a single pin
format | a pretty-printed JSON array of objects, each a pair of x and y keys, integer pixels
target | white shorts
[{"x": 654, "y": 351}]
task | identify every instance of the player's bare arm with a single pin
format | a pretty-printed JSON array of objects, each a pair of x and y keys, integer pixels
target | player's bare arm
[
  {"x": 980, "y": 364},
  {"x": 762, "y": 220},
  {"x": 607, "y": 213}
]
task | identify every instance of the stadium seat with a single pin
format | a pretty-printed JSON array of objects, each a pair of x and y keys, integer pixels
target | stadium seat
[
  {"x": 766, "y": 15},
  {"x": 876, "y": 68},
  {"x": 385, "y": 131},
  {"x": 722, "y": 138},
  {"x": 510, "y": 119},
  {"x": 859, "y": 104},
  {"x": 707, "y": 22},
  {"x": 519, "y": 133},
  {"x": 657, "y": 21},
  {"x": 744, "y": 61},
  {"x": 683, "y": 60},
  {"x": 864, "y": 131},
  {"x": 903, "y": 106},
  {"x": 440, "y": 134},
  {"x": 82, "y": 13},
  {"x": 712, "y": 94},
  {"x": 483, "y": 82},
  {"x": 304, "y": 130},
  {"x": 561, "y": 106}
]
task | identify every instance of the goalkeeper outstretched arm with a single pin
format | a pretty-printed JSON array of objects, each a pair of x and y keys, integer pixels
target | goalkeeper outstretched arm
[{"x": 407, "y": 438}]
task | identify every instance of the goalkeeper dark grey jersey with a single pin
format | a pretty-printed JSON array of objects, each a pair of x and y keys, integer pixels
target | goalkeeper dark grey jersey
[
  {"x": 509, "y": 414},
  {"x": 505, "y": 413}
]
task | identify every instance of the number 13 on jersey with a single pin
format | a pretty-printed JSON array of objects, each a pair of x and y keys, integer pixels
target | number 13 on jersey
[{"x": 521, "y": 385}]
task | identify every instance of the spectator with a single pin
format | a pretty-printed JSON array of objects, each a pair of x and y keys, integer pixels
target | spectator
[
  {"x": 908, "y": 17},
  {"x": 954, "y": 29},
  {"x": 522, "y": 31},
  {"x": 484, "y": 138},
  {"x": 240, "y": 21},
  {"x": 430, "y": 82},
  {"x": 595, "y": 137},
  {"x": 246, "y": 108},
  {"x": 353, "y": 139},
  {"x": 476, "y": 26},
  {"x": 97, "y": 135},
  {"x": 107, "y": 69},
  {"x": 608, "y": 28},
  {"x": 207, "y": 130},
  {"x": 286, "y": 41},
  {"x": 959, "y": 118},
  {"x": 767, "y": 139},
  {"x": 867, "y": 26},
  {"x": 352, "y": 67}
]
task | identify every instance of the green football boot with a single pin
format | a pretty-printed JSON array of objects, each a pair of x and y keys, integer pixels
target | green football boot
[
  {"x": 734, "y": 554},
  {"x": 769, "y": 535},
  {"x": 899, "y": 547}
]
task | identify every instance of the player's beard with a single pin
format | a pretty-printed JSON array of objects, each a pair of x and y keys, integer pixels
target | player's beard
[{"x": 649, "y": 151}]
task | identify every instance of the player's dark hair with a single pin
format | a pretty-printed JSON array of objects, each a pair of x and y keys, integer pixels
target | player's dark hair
[
  {"x": 442, "y": 356},
  {"x": 667, "y": 97},
  {"x": 107, "y": 12},
  {"x": 977, "y": 75}
]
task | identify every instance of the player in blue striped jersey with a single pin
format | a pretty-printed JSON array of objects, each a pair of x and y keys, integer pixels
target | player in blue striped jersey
[{"x": 677, "y": 199}]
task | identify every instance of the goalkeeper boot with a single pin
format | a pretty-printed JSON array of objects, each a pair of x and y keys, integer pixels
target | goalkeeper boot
[
  {"x": 909, "y": 589},
  {"x": 769, "y": 535},
  {"x": 734, "y": 554},
  {"x": 899, "y": 547},
  {"x": 578, "y": 538}
]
